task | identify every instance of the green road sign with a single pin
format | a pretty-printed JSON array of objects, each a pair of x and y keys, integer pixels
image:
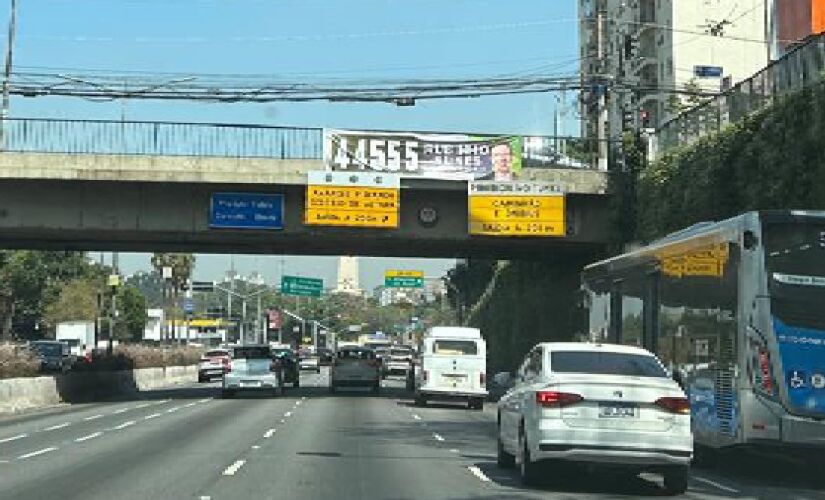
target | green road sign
[
  {"x": 403, "y": 282},
  {"x": 304, "y": 287}
]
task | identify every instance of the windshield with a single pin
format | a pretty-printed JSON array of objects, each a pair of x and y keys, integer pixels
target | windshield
[
  {"x": 455, "y": 347},
  {"x": 49, "y": 349},
  {"x": 606, "y": 363},
  {"x": 251, "y": 353}
]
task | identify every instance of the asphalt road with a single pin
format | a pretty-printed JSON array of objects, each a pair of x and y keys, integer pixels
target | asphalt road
[{"x": 188, "y": 443}]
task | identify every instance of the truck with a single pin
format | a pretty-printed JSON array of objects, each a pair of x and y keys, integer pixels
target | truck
[
  {"x": 453, "y": 366},
  {"x": 79, "y": 335}
]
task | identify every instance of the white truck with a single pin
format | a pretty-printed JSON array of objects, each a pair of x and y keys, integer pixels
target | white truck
[
  {"x": 453, "y": 366},
  {"x": 79, "y": 335}
]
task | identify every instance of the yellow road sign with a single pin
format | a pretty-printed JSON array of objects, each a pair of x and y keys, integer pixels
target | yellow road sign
[
  {"x": 351, "y": 206},
  {"x": 400, "y": 273},
  {"x": 517, "y": 215}
]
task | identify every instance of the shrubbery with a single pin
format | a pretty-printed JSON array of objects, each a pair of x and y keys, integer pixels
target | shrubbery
[{"x": 17, "y": 362}]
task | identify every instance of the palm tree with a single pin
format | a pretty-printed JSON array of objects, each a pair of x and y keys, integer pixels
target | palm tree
[{"x": 182, "y": 265}]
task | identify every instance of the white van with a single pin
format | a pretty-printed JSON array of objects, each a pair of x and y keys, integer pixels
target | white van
[{"x": 453, "y": 366}]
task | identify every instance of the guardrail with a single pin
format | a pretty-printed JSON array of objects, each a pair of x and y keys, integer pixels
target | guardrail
[
  {"x": 45, "y": 135},
  {"x": 800, "y": 67}
]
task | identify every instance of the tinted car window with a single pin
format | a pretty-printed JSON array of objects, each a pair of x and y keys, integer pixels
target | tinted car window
[
  {"x": 210, "y": 354},
  {"x": 356, "y": 354},
  {"x": 49, "y": 349},
  {"x": 251, "y": 353},
  {"x": 606, "y": 363},
  {"x": 455, "y": 347}
]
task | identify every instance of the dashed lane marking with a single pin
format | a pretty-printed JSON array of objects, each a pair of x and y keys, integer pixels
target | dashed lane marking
[
  {"x": 303, "y": 398},
  {"x": 150, "y": 417},
  {"x": 58, "y": 426},
  {"x": 144, "y": 405},
  {"x": 189, "y": 405},
  {"x": 232, "y": 469},
  {"x": 256, "y": 447},
  {"x": 438, "y": 437},
  {"x": 86, "y": 438},
  {"x": 118, "y": 412},
  {"x": 124, "y": 425},
  {"x": 717, "y": 485},
  {"x": 415, "y": 416},
  {"x": 268, "y": 434},
  {"x": 283, "y": 421},
  {"x": 288, "y": 414},
  {"x": 173, "y": 409},
  {"x": 13, "y": 438},
  {"x": 36, "y": 453},
  {"x": 94, "y": 417},
  {"x": 477, "y": 473},
  {"x": 204, "y": 400},
  {"x": 453, "y": 450}
]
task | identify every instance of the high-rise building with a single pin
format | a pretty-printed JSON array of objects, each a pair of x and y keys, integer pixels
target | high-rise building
[
  {"x": 642, "y": 60},
  {"x": 348, "y": 276},
  {"x": 796, "y": 20}
]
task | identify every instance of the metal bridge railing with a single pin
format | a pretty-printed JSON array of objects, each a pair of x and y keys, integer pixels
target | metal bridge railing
[
  {"x": 39, "y": 135},
  {"x": 800, "y": 67}
]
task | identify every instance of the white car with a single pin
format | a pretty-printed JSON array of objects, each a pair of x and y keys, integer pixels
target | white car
[
  {"x": 251, "y": 369},
  {"x": 453, "y": 367},
  {"x": 355, "y": 367},
  {"x": 597, "y": 403}
]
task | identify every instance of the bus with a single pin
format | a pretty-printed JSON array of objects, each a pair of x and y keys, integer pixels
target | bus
[{"x": 736, "y": 311}]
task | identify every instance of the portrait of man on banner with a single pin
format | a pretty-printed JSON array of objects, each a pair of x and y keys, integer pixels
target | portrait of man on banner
[{"x": 505, "y": 155}]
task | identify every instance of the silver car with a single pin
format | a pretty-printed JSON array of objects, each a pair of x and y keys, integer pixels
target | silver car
[{"x": 251, "y": 369}]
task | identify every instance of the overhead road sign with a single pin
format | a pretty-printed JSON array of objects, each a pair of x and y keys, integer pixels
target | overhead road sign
[
  {"x": 352, "y": 199},
  {"x": 246, "y": 211},
  {"x": 516, "y": 209},
  {"x": 395, "y": 278},
  {"x": 302, "y": 287}
]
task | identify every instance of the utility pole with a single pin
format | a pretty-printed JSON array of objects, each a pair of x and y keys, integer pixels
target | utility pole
[
  {"x": 603, "y": 115},
  {"x": 7, "y": 79}
]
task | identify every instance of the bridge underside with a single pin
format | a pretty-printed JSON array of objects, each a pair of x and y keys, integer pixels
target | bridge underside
[{"x": 173, "y": 216}]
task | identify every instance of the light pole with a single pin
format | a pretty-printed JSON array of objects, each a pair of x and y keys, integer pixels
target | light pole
[
  {"x": 7, "y": 78},
  {"x": 230, "y": 293}
]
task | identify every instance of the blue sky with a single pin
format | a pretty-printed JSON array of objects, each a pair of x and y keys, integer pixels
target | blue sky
[{"x": 300, "y": 40}]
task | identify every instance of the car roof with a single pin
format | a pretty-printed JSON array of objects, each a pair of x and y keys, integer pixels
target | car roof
[{"x": 594, "y": 347}]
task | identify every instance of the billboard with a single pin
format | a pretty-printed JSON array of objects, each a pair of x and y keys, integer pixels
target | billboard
[{"x": 425, "y": 155}]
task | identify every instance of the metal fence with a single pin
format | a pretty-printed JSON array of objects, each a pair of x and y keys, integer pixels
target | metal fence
[
  {"x": 798, "y": 68},
  {"x": 160, "y": 138}
]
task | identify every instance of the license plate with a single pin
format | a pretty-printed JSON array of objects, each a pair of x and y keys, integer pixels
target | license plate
[
  {"x": 251, "y": 383},
  {"x": 618, "y": 411}
]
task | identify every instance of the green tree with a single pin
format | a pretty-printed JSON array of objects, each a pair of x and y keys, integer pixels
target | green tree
[
  {"x": 182, "y": 265},
  {"x": 132, "y": 318},
  {"x": 77, "y": 301}
]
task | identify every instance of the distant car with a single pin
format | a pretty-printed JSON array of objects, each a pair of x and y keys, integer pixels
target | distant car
[
  {"x": 597, "y": 403},
  {"x": 499, "y": 384},
  {"x": 251, "y": 369},
  {"x": 286, "y": 361},
  {"x": 213, "y": 364},
  {"x": 309, "y": 363},
  {"x": 54, "y": 355},
  {"x": 399, "y": 361},
  {"x": 355, "y": 367},
  {"x": 325, "y": 356}
]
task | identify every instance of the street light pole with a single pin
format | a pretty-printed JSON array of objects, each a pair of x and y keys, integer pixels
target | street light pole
[{"x": 7, "y": 78}]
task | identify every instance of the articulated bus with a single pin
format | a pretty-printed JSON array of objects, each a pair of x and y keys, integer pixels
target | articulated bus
[{"x": 736, "y": 310}]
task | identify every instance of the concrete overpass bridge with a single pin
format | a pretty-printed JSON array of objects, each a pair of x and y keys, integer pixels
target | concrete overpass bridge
[{"x": 146, "y": 186}]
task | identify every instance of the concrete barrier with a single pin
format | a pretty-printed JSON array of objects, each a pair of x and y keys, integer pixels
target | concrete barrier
[{"x": 19, "y": 394}]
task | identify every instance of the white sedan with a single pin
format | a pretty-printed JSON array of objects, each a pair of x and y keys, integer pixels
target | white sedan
[{"x": 596, "y": 403}]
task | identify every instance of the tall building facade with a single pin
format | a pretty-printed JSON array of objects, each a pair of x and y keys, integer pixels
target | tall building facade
[
  {"x": 640, "y": 59},
  {"x": 796, "y": 20},
  {"x": 348, "y": 276}
]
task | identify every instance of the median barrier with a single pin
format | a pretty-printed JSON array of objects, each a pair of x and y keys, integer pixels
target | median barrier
[{"x": 18, "y": 394}]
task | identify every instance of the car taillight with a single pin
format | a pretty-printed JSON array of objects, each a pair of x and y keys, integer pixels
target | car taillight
[
  {"x": 674, "y": 405},
  {"x": 482, "y": 379},
  {"x": 554, "y": 399}
]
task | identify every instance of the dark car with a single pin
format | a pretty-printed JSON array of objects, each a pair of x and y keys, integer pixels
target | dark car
[
  {"x": 54, "y": 355},
  {"x": 325, "y": 356},
  {"x": 287, "y": 361}
]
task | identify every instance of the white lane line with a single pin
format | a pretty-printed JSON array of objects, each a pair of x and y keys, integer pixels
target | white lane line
[
  {"x": 173, "y": 409},
  {"x": 232, "y": 469},
  {"x": 268, "y": 434},
  {"x": 124, "y": 425},
  {"x": 256, "y": 447},
  {"x": 94, "y": 417},
  {"x": 288, "y": 414},
  {"x": 204, "y": 400},
  {"x": 204, "y": 497},
  {"x": 118, "y": 412},
  {"x": 715, "y": 484},
  {"x": 190, "y": 405},
  {"x": 477, "y": 473},
  {"x": 58, "y": 426},
  {"x": 150, "y": 417},
  {"x": 35, "y": 453},
  {"x": 438, "y": 437},
  {"x": 416, "y": 417},
  {"x": 297, "y": 403},
  {"x": 303, "y": 398},
  {"x": 86, "y": 438},
  {"x": 13, "y": 438},
  {"x": 283, "y": 421},
  {"x": 453, "y": 450},
  {"x": 144, "y": 405}
]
